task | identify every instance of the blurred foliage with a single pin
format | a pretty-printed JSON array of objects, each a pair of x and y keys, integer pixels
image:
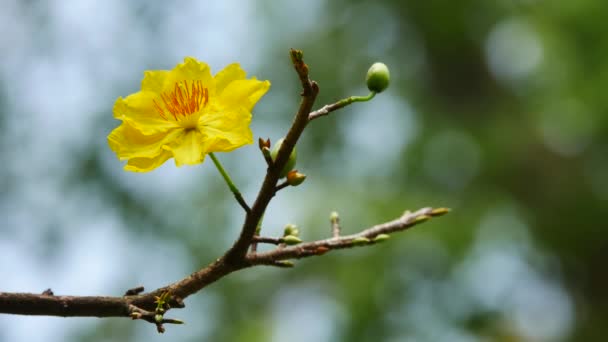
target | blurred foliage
[{"x": 496, "y": 109}]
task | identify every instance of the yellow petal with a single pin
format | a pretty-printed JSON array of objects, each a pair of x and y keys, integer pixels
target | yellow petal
[
  {"x": 224, "y": 118},
  {"x": 189, "y": 148},
  {"x": 147, "y": 164},
  {"x": 230, "y": 73},
  {"x": 128, "y": 142},
  {"x": 226, "y": 129},
  {"x": 243, "y": 93},
  {"x": 154, "y": 80},
  {"x": 221, "y": 141},
  {"x": 191, "y": 69},
  {"x": 139, "y": 111}
]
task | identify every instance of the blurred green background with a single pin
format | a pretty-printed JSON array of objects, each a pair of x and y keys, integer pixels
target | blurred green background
[{"x": 497, "y": 109}]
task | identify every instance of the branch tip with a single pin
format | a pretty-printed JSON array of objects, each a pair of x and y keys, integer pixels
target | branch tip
[
  {"x": 48, "y": 292},
  {"x": 134, "y": 291},
  {"x": 439, "y": 211},
  {"x": 334, "y": 219}
]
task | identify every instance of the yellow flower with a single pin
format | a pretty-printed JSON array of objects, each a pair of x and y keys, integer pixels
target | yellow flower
[{"x": 185, "y": 113}]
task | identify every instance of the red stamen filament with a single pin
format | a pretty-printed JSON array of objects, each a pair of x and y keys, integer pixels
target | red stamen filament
[{"x": 183, "y": 101}]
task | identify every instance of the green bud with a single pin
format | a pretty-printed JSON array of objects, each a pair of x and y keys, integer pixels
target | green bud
[
  {"x": 158, "y": 318},
  {"x": 381, "y": 237},
  {"x": 291, "y": 229},
  {"x": 439, "y": 211},
  {"x": 334, "y": 216},
  {"x": 291, "y": 240},
  {"x": 360, "y": 241},
  {"x": 422, "y": 218},
  {"x": 291, "y": 162},
  {"x": 378, "y": 77},
  {"x": 284, "y": 263},
  {"x": 294, "y": 178}
]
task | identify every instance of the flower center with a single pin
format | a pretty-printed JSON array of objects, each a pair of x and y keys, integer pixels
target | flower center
[{"x": 183, "y": 101}]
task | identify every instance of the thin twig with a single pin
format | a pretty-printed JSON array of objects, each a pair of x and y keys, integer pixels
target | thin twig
[
  {"x": 334, "y": 219},
  {"x": 365, "y": 237},
  {"x": 265, "y": 239},
  {"x": 281, "y": 186},
  {"x": 152, "y": 317}
]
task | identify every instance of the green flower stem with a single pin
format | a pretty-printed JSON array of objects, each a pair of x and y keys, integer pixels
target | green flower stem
[
  {"x": 229, "y": 182},
  {"x": 345, "y": 102},
  {"x": 340, "y": 104}
]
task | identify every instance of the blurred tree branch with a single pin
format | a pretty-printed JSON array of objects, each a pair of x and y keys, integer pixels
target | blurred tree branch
[{"x": 153, "y": 305}]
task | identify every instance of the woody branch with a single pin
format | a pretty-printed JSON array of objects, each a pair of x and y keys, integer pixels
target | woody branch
[{"x": 139, "y": 305}]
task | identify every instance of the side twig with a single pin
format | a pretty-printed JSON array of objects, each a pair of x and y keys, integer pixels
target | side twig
[
  {"x": 334, "y": 219},
  {"x": 364, "y": 238},
  {"x": 264, "y": 239}
]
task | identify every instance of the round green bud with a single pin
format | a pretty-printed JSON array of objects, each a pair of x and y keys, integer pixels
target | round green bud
[
  {"x": 291, "y": 229},
  {"x": 291, "y": 162},
  {"x": 378, "y": 77}
]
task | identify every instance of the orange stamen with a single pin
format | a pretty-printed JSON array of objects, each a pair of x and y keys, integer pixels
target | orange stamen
[{"x": 183, "y": 100}]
